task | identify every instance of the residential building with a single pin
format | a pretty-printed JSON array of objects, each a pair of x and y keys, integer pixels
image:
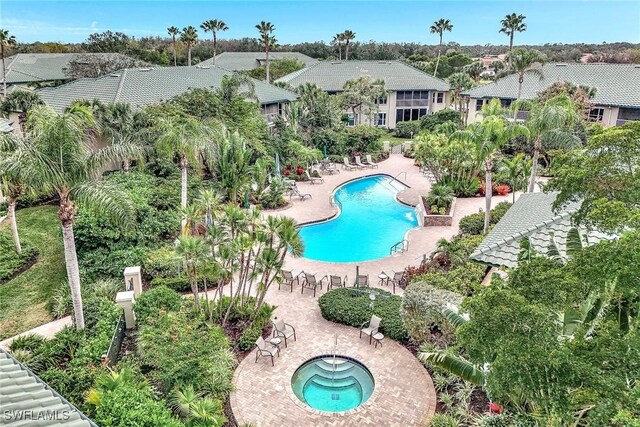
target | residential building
[
  {"x": 616, "y": 101},
  {"x": 411, "y": 93},
  {"x": 146, "y": 86},
  {"x": 532, "y": 217},
  {"x": 244, "y": 61},
  {"x": 29, "y": 70}
]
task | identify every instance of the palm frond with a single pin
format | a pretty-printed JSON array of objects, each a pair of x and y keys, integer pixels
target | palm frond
[
  {"x": 453, "y": 317},
  {"x": 456, "y": 365},
  {"x": 574, "y": 242},
  {"x": 106, "y": 200}
]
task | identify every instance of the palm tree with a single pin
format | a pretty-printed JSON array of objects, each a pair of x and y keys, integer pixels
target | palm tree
[
  {"x": 551, "y": 122},
  {"x": 118, "y": 123},
  {"x": 186, "y": 138},
  {"x": 59, "y": 157},
  {"x": 232, "y": 166},
  {"x": 514, "y": 171},
  {"x": 214, "y": 26},
  {"x": 5, "y": 41},
  {"x": 510, "y": 25},
  {"x": 20, "y": 101},
  {"x": 11, "y": 185},
  {"x": 189, "y": 37},
  {"x": 268, "y": 41},
  {"x": 338, "y": 39},
  {"x": 173, "y": 32},
  {"x": 439, "y": 27},
  {"x": 193, "y": 251},
  {"x": 459, "y": 82},
  {"x": 488, "y": 137},
  {"x": 522, "y": 60},
  {"x": 347, "y": 36}
]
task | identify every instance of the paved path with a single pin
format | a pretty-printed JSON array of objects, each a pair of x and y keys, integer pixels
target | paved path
[{"x": 48, "y": 330}]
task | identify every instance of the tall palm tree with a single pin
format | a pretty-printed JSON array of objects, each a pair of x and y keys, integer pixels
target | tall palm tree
[
  {"x": 439, "y": 27},
  {"x": 551, "y": 122},
  {"x": 514, "y": 170},
  {"x": 510, "y": 25},
  {"x": 58, "y": 157},
  {"x": 192, "y": 251},
  {"x": 11, "y": 185},
  {"x": 232, "y": 166},
  {"x": 488, "y": 137},
  {"x": 20, "y": 101},
  {"x": 118, "y": 123},
  {"x": 6, "y": 40},
  {"x": 187, "y": 139},
  {"x": 173, "y": 32},
  {"x": 268, "y": 42},
  {"x": 522, "y": 62},
  {"x": 347, "y": 36},
  {"x": 459, "y": 82},
  {"x": 214, "y": 25},
  {"x": 338, "y": 39},
  {"x": 189, "y": 37}
]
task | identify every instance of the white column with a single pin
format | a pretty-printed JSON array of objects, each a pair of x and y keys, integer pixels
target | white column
[
  {"x": 126, "y": 301},
  {"x": 133, "y": 279}
]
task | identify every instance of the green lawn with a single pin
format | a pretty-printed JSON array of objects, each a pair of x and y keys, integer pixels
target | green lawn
[
  {"x": 394, "y": 140},
  {"x": 23, "y": 300}
]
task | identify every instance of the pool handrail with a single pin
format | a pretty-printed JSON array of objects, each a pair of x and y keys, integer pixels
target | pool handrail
[{"x": 401, "y": 246}]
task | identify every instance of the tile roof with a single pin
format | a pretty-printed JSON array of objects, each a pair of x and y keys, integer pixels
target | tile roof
[
  {"x": 242, "y": 61},
  {"x": 332, "y": 75},
  {"x": 532, "y": 216},
  {"x": 145, "y": 86},
  {"x": 6, "y": 125},
  {"x": 615, "y": 84},
  {"x": 25, "y": 400},
  {"x": 39, "y": 67}
]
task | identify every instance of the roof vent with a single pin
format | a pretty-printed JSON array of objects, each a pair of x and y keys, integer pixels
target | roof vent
[
  {"x": 204, "y": 67},
  {"x": 362, "y": 70},
  {"x": 145, "y": 69},
  {"x": 336, "y": 62},
  {"x": 636, "y": 66},
  {"x": 114, "y": 75},
  {"x": 561, "y": 65}
]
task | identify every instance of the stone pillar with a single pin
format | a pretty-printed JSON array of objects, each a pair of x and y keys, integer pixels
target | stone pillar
[
  {"x": 126, "y": 300},
  {"x": 133, "y": 279},
  {"x": 407, "y": 146},
  {"x": 386, "y": 146}
]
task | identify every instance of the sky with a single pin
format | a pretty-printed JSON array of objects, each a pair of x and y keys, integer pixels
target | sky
[{"x": 474, "y": 22}]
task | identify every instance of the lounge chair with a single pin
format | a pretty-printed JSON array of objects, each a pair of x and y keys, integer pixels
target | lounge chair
[
  {"x": 313, "y": 179},
  {"x": 359, "y": 163},
  {"x": 337, "y": 282},
  {"x": 310, "y": 282},
  {"x": 362, "y": 280},
  {"x": 372, "y": 329},
  {"x": 330, "y": 168},
  {"x": 283, "y": 330},
  {"x": 348, "y": 166},
  {"x": 294, "y": 191},
  {"x": 370, "y": 162},
  {"x": 266, "y": 350},
  {"x": 287, "y": 279}
]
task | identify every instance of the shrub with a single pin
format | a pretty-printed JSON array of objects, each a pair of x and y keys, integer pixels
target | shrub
[
  {"x": 498, "y": 211},
  {"x": 161, "y": 263},
  {"x": 422, "y": 307},
  {"x": 352, "y": 307},
  {"x": 474, "y": 224},
  {"x": 502, "y": 189},
  {"x": 407, "y": 129},
  {"x": 178, "y": 284},
  {"x": 443, "y": 420},
  {"x": 156, "y": 301},
  {"x": 61, "y": 305},
  {"x": 463, "y": 280},
  {"x": 462, "y": 187},
  {"x": 10, "y": 261},
  {"x": 249, "y": 337},
  {"x": 363, "y": 139},
  {"x": 440, "y": 196},
  {"x": 430, "y": 121},
  {"x": 72, "y": 383}
]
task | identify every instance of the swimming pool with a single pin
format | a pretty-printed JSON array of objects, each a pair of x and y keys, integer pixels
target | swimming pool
[{"x": 370, "y": 222}]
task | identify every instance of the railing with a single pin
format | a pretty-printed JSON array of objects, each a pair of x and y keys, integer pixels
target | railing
[
  {"x": 403, "y": 172},
  {"x": 113, "y": 353},
  {"x": 401, "y": 246},
  {"x": 620, "y": 122},
  {"x": 335, "y": 202}
]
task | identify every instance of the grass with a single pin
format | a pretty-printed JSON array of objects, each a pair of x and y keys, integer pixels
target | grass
[
  {"x": 393, "y": 140},
  {"x": 24, "y": 300}
]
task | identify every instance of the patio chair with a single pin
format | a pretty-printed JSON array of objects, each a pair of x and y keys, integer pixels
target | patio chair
[
  {"x": 362, "y": 280},
  {"x": 372, "y": 329},
  {"x": 310, "y": 282},
  {"x": 370, "y": 162},
  {"x": 337, "y": 282},
  {"x": 288, "y": 279},
  {"x": 294, "y": 191},
  {"x": 396, "y": 280},
  {"x": 283, "y": 330},
  {"x": 359, "y": 163},
  {"x": 348, "y": 166},
  {"x": 330, "y": 168},
  {"x": 313, "y": 179},
  {"x": 266, "y": 350}
]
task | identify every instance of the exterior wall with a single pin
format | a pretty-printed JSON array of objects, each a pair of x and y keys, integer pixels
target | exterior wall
[
  {"x": 472, "y": 114},
  {"x": 610, "y": 116}
]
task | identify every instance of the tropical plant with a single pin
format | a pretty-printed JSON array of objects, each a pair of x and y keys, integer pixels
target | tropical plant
[
  {"x": 440, "y": 195},
  {"x": 192, "y": 251},
  {"x": 360, "y": 95},
  {"x": 439, "y": 27},
  {"x": 268, "y": 42},
  {"x": 214, "y": 25},
  {"x": 173, "y": 32},
  {"x": 512, "y": 24},
  {"x": 6, "y": 41},
  {"x": 522, "y": 61},
  {"x": 338, "y": 39},
  {"x": 189, "y": 36},
  {"x": 514, "y": 171},
  {"x": 233, "y": 166},
  {"x": 20, "y": 101},
  {"x": 458, "y": 83},
  {"x": 119, "y": 123},
  {"x": 347, "y": 36},
  {"x": 58, "y": 157}
]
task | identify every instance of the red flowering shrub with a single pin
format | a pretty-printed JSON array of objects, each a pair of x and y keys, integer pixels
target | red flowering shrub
[{"x": 502, "y": 190}]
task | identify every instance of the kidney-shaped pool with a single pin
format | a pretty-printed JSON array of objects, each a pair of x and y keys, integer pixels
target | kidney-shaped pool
[{"x": 370, "y": 222}]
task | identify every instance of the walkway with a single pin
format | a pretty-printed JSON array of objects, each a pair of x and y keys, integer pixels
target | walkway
[{"x": 48, "y": 330}]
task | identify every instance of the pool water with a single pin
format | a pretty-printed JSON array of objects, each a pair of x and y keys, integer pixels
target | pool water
[
  {"x": 370, "y": 222},
  {"x": 332, "y": 384}
]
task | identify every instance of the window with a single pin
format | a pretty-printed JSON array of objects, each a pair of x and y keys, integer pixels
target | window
[
  {"x": 596, "y": 114},
  {"x": 409, "y": 114},
  {"x": 479, "y": 103},
  {"x": 381, "y": 119},
  {"x": 381, "y": 101},
  {"x": 506, "y": 103},
  {"x": 439, "y": 98},
  {"x": 351, "y": 120},
  {"x": 412, "y": 98}
]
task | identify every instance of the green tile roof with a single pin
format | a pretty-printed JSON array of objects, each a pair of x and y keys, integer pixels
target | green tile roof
[
  {"x": 146, "y": 86},
  {"x": 25, "y": 400},
  {"x": 615, "y": 84},
  {"x": 242, "y": 61},
  {"x": 5, "y": 125},
  {"x": 39, "y": 67},
  {"x": 531, "y": 216},
  {"x": 332, "y": 75}
]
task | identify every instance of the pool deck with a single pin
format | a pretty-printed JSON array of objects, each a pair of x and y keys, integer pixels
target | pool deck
[{"x": 422, "y": 240}]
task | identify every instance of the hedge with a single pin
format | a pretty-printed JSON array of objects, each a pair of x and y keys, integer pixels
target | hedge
[
  {"x": 351, "y": 306},
  {"x": 155, "y": 302},
  {"x": 474, "y": 224},
  {"x": 10, "y": 261}
]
